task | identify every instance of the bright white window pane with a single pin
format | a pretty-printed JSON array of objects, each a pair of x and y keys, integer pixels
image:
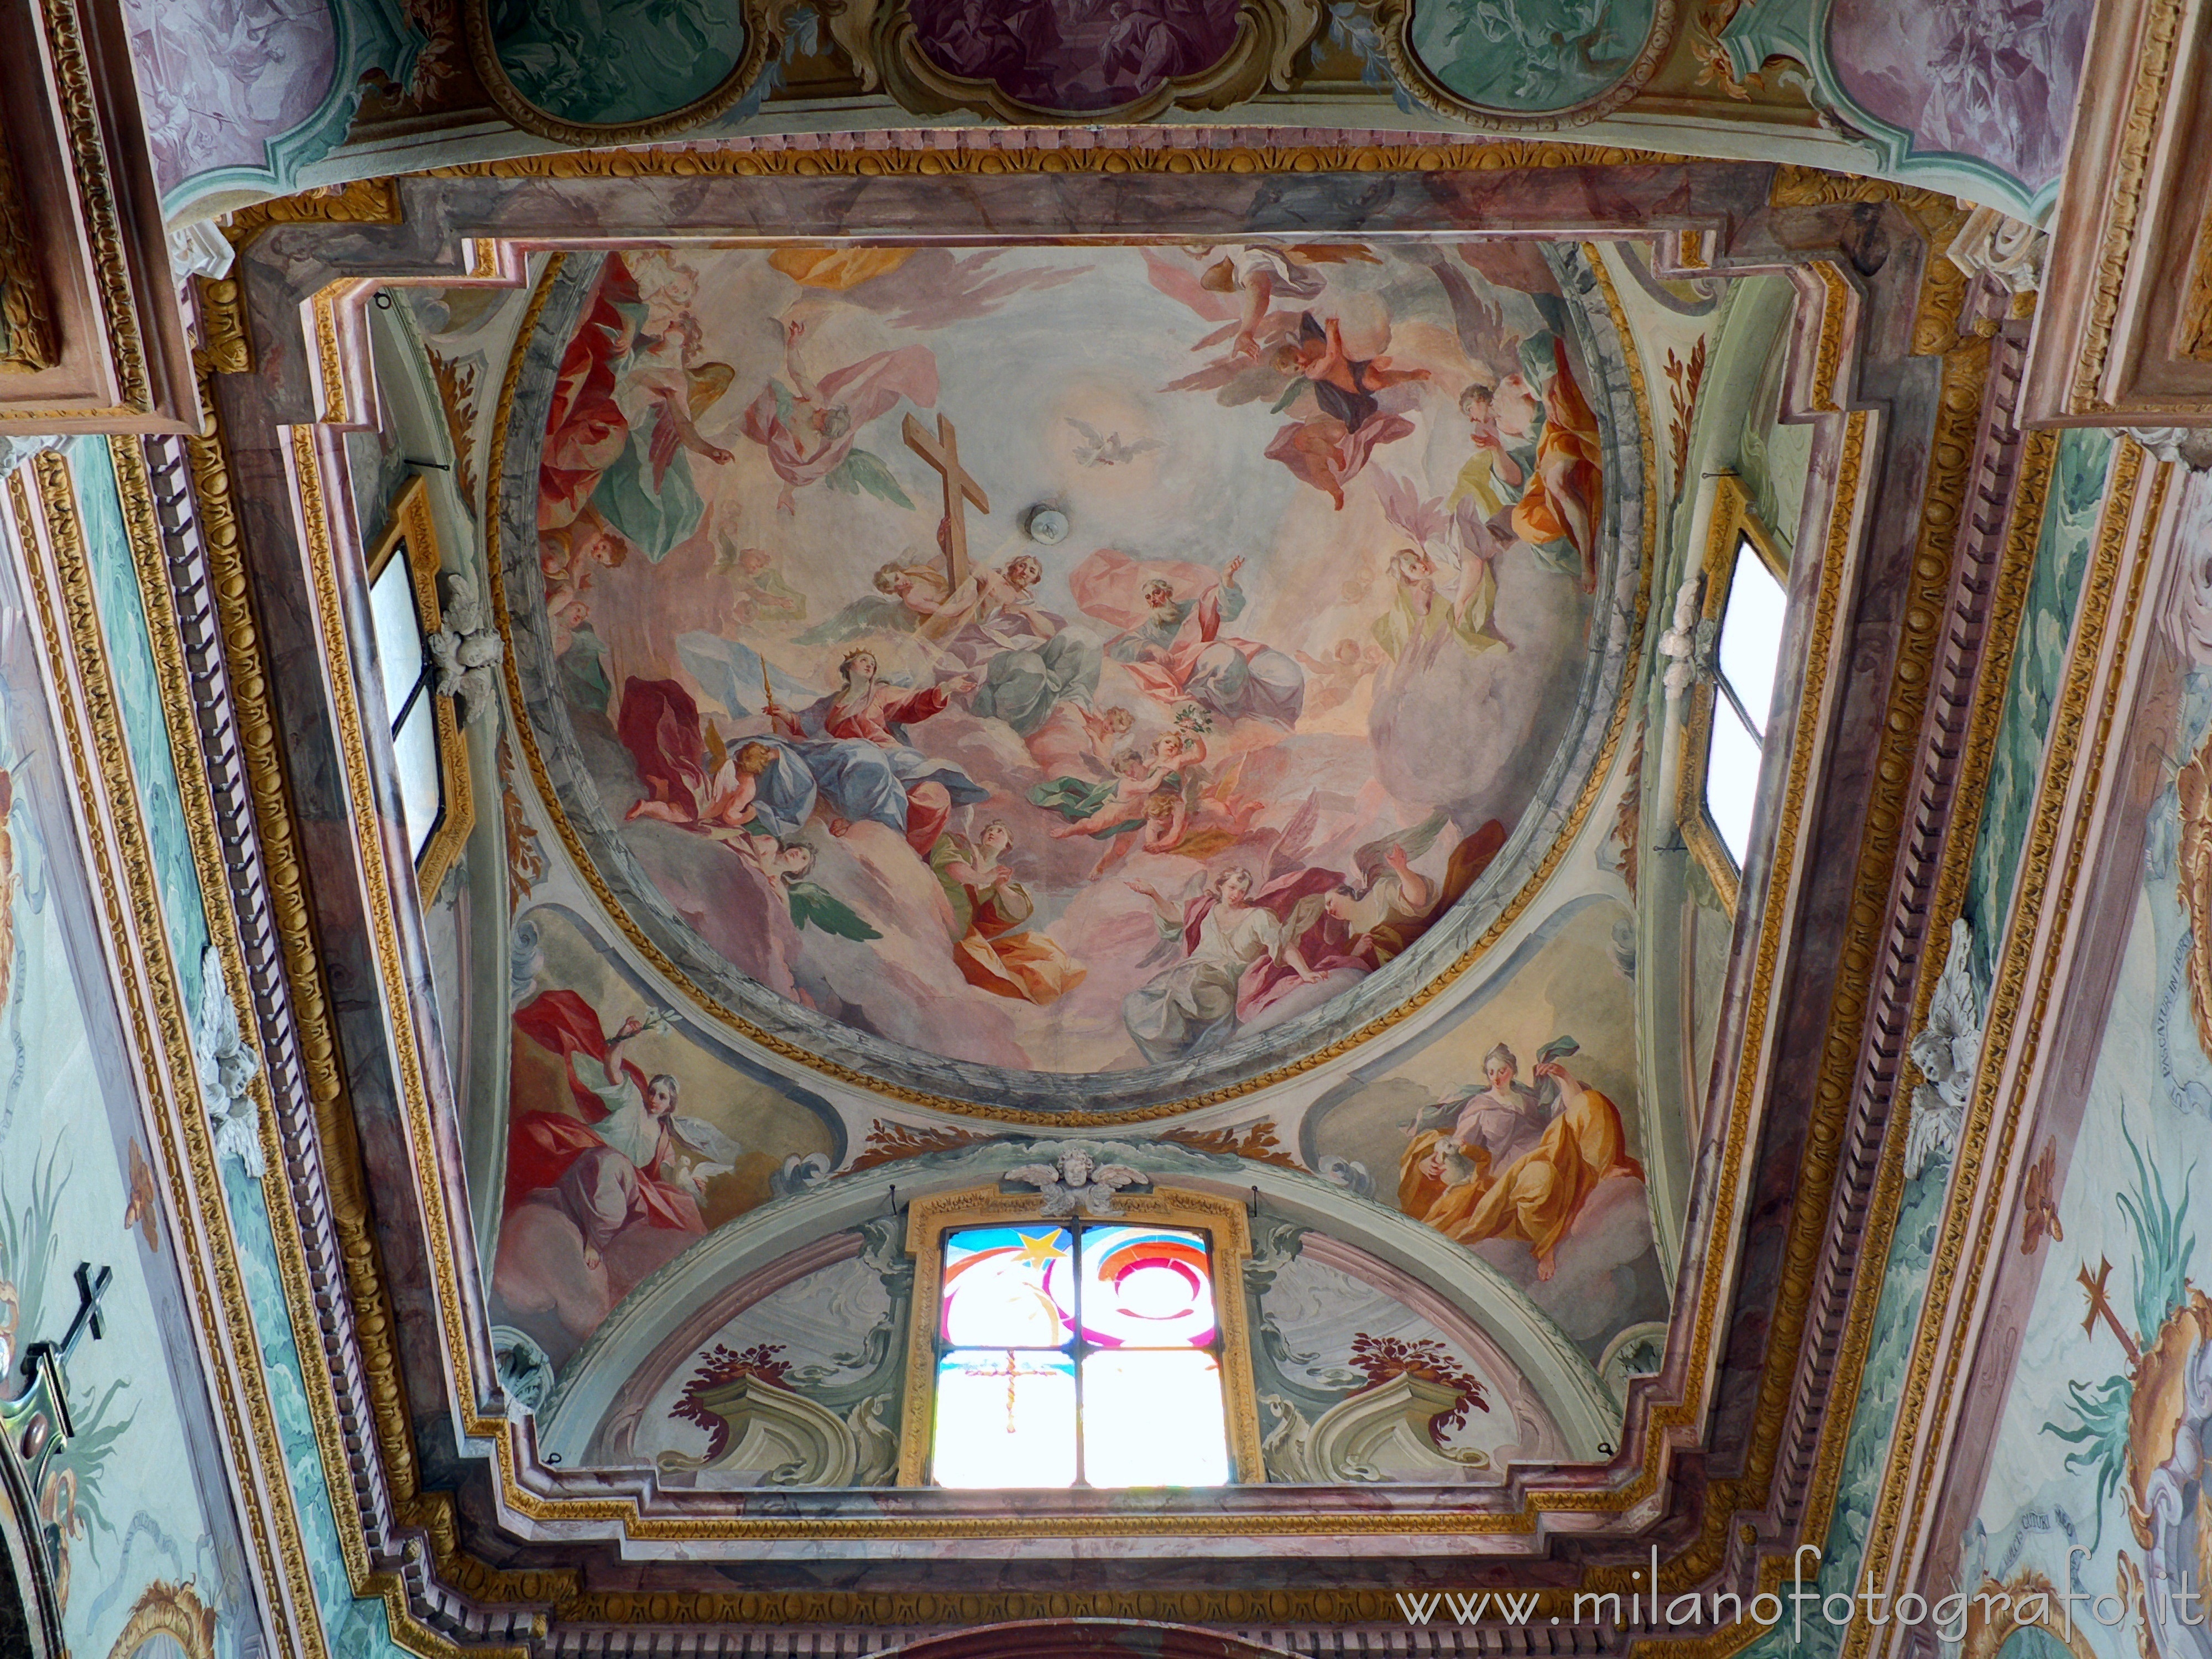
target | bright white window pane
[
  {"x": 1732, "y": 779},
  {"x": 398, "y": 636},
  {"x": 414, "y": 746},
  {"x": 1153, "y": 1418},
  {"x": 1750, "y": 634},
  {"x": 1005, "y": 1418}
]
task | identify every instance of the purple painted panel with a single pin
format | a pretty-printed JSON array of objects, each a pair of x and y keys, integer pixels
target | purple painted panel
[
  {"x": 217, "y": 79},
  {"x": 1075, "y": 55},
  {"x": 1992, "y": 79}
]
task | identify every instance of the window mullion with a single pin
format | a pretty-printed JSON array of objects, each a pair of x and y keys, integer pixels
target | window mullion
[
  {"x": 1758, "y": 733},
  {"x": 1076, "y": 1349}
]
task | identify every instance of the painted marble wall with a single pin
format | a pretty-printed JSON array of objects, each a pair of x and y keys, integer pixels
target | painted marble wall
[
  {"x": 2106, "y": 1411},
  {"x": 349, "y": 1626},
  {"x": 137, "y": 1502}
]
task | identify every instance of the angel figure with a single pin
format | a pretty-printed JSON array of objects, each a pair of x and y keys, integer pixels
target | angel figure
[
  {"x": 1227, "y": 932},
  {"x": 1392, "y": 904},
  {"x": 810, "y": 428},
  {"x": 1077, "y": 1179},
  {"x": 1334, "y": 679},
  {"x": 992, "y": 944},
  {"x": 623, "y": 1155},
  {"x": 790, "y": 865},
  {"x": 466, "y": 649},
  {"x": 1445, "y": 584},
  {"x": 907, "y": 593}
]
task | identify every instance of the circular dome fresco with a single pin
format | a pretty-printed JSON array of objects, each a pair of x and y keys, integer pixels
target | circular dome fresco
[{"x": 1309, "y": 697}]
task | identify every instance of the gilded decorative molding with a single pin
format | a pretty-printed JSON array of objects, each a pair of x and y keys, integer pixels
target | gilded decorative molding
[
  {"x": 764, "y": 22},
  {"x": 1263, "y": 56},
  {"x": 2124, "y": 187},
  {"x": 1937, "y": 218},
  {"x": 224, "y": 333},
  {"x": 121, "y": 863},
  {"x": 1493, "y": 156},
  {"x": 172, "y": 1610},
  {"x": 79, "y": 105},
  {"x": 27, "y": 342},
  {"x": 1393, "y": 17},
  {"x": 2077, "y": 753},
  {"x": 2194, "y": 336},
  {"x": 374, "y": 1321}
]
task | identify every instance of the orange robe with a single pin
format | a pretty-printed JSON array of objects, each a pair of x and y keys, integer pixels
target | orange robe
[
  {"x": 1539, "y": 1193},
  {"x": 1568, "y": 462}
]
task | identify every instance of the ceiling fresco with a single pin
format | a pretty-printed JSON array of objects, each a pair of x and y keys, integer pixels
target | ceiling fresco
[{"x": 1268, "y": 626}]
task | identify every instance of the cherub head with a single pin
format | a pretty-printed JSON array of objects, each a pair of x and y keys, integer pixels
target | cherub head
[
  {"x": 1130, "y": 763},
  {"x": 1412, "y": 568},
  {"x": 833, "y": 422},
  {"x": 1160, "y": 805},
  {"x": 1167, "y": 748},
  {"x": 790, "y": 860},
  {"x": 1075, "y": 1166},
  {"x": 1516, "y": 405},
  {"x": 754, "y": 758},
  {"x": 753, "y": 560},
  {"x": 1120, "y": 720}
]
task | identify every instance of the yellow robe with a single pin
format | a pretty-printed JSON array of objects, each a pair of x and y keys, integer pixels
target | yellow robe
[{"x": 1539, "y": 1193}]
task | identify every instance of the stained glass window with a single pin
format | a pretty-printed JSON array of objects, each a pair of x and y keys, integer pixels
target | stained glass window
[{"x": 1078, "y": 1354}]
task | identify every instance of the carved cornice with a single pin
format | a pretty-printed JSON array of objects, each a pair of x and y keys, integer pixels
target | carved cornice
[{"x": 766, "y": 160}]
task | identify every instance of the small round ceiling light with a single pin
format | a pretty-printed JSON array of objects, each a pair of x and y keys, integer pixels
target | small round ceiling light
[{"x": 1045, "y": 525}]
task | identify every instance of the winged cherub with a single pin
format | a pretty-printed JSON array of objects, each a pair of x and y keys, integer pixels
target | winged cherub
[{"x": 1078, "y": 1178}]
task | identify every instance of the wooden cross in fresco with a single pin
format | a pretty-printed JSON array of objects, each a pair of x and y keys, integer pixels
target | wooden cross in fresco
[
  {"x": 2101, "y": 1307},
  {"x": 942, "y": 452}
]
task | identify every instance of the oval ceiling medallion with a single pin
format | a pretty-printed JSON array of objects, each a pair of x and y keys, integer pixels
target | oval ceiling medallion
[
  {"x": 615, "y": 71},
  {"x": 1521, "y": 63},
  {"x": 1039, "y": 59},
  {"x": 1309, "y": 696}
]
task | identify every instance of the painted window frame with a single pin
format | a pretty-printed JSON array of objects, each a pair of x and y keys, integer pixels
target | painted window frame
[
  {"x": 1229, "y": 1241},
  {"x": 1736, "y": 526},
  {"x": 412, "y": 531}
]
